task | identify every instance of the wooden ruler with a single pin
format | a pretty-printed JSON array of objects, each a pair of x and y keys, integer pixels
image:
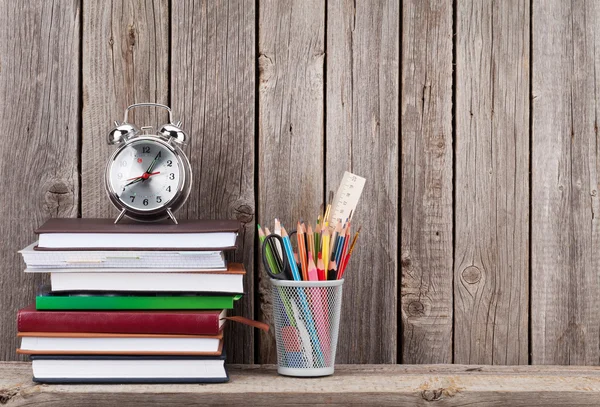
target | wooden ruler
[{"x": 346, "y": 197}]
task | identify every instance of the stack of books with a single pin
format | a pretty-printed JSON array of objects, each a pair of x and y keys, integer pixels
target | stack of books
[{"x": 131, "y": 302}]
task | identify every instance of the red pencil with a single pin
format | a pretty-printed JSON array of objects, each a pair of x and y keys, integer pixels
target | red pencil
[
  {"x": 342, "y": 269},
  {"x": 321, "y": 268}
]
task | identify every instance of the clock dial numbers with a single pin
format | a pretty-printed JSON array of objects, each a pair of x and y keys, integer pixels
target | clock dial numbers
[{"x": 145, "y": 176}]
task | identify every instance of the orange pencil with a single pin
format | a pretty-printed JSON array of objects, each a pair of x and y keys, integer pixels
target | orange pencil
[{"x": 302, "y": 251}]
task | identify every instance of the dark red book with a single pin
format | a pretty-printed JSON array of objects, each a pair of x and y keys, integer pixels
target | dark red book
[{"x": 125, "y": 322}]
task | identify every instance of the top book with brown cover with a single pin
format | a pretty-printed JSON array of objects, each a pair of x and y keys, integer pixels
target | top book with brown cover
[{"x": 104, "y": 234}]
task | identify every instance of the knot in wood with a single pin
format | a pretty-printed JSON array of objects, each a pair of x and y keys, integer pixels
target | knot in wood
[
  {"x": 432, "y": 395},
  {"x": 416, "y": 309},
  {"x": 406, "y": 262},
  {"x": 244, "y": 213},
  {"x": 131, "y": 35},
  {"x": 471, "y": 275}
]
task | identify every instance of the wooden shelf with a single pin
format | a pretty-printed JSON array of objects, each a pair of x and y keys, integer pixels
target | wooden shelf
[{"x": 447, "y": 385}]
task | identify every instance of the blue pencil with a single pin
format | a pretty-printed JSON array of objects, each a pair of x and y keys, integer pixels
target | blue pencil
[
  {"x": 338, "y": 249},
  {"x": 290, "y": 254}
]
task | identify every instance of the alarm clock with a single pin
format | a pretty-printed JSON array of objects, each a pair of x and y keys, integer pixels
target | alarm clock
[{"x": 148, "y": 176}]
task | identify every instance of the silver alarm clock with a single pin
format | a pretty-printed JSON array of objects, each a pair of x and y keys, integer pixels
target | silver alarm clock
[{"x": 148, "y": 177}]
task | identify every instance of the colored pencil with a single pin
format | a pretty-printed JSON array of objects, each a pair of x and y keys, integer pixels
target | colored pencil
[
  {"x": 344, "y": 251},
  {"x": 342, "y": 269},
  {"x": 278, "y": 232},
  {"x": 340, "y": 248},
  {"x": 318, "y": 238},
  {"x": 302, "y": 251},
  {"x": 273, "y": 248},
  {"x": 334, "y": 240},
  {"x": 311, "y": 241},
  {"x": 325, "y": 249},
  {"x": 268, "y": 253},
  {"x": 312, "y": 269},
  {"x": 320, "y": 268},
  {"x": 332, "y": 271},
  {"x": 287, "y": 245}
]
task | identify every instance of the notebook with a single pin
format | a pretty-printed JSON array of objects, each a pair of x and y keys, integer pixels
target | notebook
[
  {"x": 129, "y": 369},
  {"x": 73, "y": 343},
  {"x": 40, "y": 261},
  {"x": 104, "y": 234},
  {"x": 133, "y": 301},
  {"x": 229, "y": 281},
  {"x": 190, "y": 322}
]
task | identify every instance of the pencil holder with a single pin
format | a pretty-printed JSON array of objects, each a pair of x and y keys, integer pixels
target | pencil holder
[{"x": 307, "y": 320}]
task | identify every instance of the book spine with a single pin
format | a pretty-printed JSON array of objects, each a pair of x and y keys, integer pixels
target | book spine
[{"x": 119, "y": 322}]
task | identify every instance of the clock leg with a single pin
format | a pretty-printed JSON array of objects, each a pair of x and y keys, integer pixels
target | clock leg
[
  {"x": 120, "y": 216},
  {"x": 172, "y": 216}
]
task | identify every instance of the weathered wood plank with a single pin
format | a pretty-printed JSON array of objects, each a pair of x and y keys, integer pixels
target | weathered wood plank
[
  {"x": 125, "y": 61},
  {"x": 391, "y": 385},
  {"x": 39, "y": 112},
  {"x": 566, "y": 163},
  {"x": 426, "y": 199},
  {"x": 492, "y": 182},
  {"x": 363, "y": 42},
  {"x": 290, "y": 151},
  {"x": 212, "y": 87}
]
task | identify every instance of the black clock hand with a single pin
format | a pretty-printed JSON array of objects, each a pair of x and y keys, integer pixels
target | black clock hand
[
  {"x": 149, "y": 170},
  {"x": 134, "y": 181}
]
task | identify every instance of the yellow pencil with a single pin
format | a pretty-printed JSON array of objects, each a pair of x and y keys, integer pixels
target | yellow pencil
[
  {"x": 302, "y": 251},
  {"x": 311, "y": 241},
  {"x": 325, "y": 247}
]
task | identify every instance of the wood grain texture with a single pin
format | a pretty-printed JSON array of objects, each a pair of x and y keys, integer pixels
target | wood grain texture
[
  {"x": 381, "y": 385},
  {"x": 565, "y": 314},
  {"x": 39, "y": 88},
  {"x": 492, "y": 183},
  {"x": 291, "y": 113},
  {"x": 212, "y": 87},
  {"x": 125, "y": 61},
  {"x": 363, "y": 42},
  {"x": 426, "y": 198}
]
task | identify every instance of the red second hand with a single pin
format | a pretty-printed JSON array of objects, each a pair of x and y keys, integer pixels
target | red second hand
[{"x": 144, "y": 176}]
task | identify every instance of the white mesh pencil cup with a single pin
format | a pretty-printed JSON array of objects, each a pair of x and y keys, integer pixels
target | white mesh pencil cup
[{"x": 307, "y": 320}]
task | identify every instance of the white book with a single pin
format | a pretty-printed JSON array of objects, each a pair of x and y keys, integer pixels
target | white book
[
  {"x": 122, "y": 369},
  {"x": 139, "y": 241},
  {"x": 225, "y": 282},
  {"x": 131, "y": 344},
  {"x": 38, "y": 260},
  {"x": 88, "y": 233}
]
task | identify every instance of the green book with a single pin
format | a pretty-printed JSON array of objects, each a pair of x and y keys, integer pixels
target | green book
[{"x": 134, "y": 302}]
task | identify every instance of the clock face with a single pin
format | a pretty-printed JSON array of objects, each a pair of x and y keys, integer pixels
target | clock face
[{"x": 145, "y": 175}]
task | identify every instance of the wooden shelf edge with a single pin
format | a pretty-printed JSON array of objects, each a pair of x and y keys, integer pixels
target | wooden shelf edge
[{"x": 447, "y": 385}]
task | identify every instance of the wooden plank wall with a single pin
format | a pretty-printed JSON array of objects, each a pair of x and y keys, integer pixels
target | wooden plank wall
[{"x": 474, "y": 122}]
